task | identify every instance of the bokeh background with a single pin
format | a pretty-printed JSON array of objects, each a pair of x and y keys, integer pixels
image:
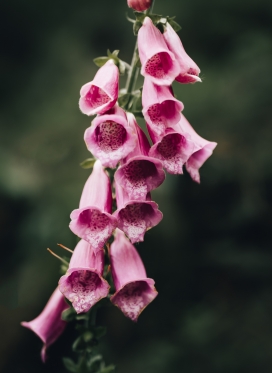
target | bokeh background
[{"x": 211, "y": 256}]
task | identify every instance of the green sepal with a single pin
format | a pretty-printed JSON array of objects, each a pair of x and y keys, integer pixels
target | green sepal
[
  {"x": 173, "y": 23},
  {"x": 88, "y": 163},
  {"x": 136, "y": 27},
  {"x": 69, "y": 364},
  {"x": 100, "y": 61},
  {"x": 68, "y": 315},
  {"x": 123, "y": 100},
  {"x": 140, "y": 16}
]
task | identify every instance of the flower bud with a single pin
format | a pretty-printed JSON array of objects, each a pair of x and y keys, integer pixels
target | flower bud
[{"x": 139, "y": 5}]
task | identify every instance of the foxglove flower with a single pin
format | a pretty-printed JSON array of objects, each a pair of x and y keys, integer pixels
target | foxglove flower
[
  {"x": 173, "y": 149},
  {"x": 83, "y": 283},
  {"x": 134, "y": 291},
  {"x": 189, "y": 70},
  {"x": 93, "y": 221},
  {"x": 110, "y": 138},
  {"x": 203, "y": 149},
  {"x": 139, "y": 173},
  {"x": 160, "y": 108},
  {"x": 139, "y": 5},
  {"x": 158, "y": 62},
  {"x": 101, "y": 94},
  {"x": 48, "y": 325},
  {"x": 135, "y": 217}
]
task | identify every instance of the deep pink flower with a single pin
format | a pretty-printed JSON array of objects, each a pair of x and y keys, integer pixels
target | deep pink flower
[
  {"x": 101, "y": 94},
  {"x": 135, "y": 217},
  {"x": 83, "y": 283},
  {"x": 158, "y": 62},
  {"x": 139, "y": 5},
  {"x": 160, "y": 108},
  {"x": 173, "y": 149},
  {"x": 134, "y": 291},
  {"x": 139, "y": 173},
  {"x": 93, "y": 221},
  {"x": 110, "y": 138},
  {"x": 48, "y": 325},
  {"x": 189, "y": 70},
  {"x": 203, "y": 149}
]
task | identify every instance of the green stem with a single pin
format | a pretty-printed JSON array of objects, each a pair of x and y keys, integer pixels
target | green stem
[{"x": 133, "y": 72}]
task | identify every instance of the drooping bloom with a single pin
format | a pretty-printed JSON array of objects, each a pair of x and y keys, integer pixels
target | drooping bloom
[
  {"x": 203, "y": 149},
  {"x": 93, "y": 221},
  {"x": 189, "y": 70},
  {"x": 135, "y": 217},
  {"x": 48, "y": 325},
  {"x": 139, "y": 5},
  {"x": 110, "y": 138},
  {"x": 134, "y": 291},
  {"x": 160, "y": 108},
  {"x": 181, "y": 145},
  {"x": 139, "y": 173},
  {"x": 83, "y": 283},
  {"x": 158, "y": 62},
  {"x": 101, "y": 94}
]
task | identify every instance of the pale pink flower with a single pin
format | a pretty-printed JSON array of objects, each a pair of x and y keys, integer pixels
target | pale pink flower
[
  {"x": 139, "y": 173},
  {"x": 101, "y": 94},
  {"x": 48, "y": 325},
  {"x": 135, "y": 217},
  {"x": 110, "y": 138},
  {"x": 139, "y": 5},
  {"x": 160, "y": 108},
  {"x": 134, "y": 291},
  {"x": 158, "y": 62},
  {"x": 188, "y": 69},
  {"x": 93, "y": 221},
  {"x": 83, "y": 284}
]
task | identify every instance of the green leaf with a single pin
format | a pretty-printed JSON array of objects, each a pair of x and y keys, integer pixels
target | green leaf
[
  {"x": 69, "y": 364},
  {"x": 100, "y": 331},
  {"x": 138, "y": 114},
  {"x": 68, "y": 315},
  {"x": 108, "y": 369},
  {"x": 100, "y": 61},
  {"x": 93, "y": 360},
  {"x": 123, "y": 100},
  {"x": 79, "y": 345},
  {"x": 88, "y": 163}
]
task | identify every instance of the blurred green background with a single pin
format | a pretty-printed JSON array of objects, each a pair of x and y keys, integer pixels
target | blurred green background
[{"x": 211, "y": 255}]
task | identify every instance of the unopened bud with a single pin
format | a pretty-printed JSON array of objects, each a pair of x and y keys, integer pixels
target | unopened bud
[{"x": 139, "y": 5}]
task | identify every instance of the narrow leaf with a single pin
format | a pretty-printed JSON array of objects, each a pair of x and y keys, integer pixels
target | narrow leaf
[
  {"x": 100, "y": 61},
  {"x": 69, "y": 364},
  {"x": 88, "y": 163}
]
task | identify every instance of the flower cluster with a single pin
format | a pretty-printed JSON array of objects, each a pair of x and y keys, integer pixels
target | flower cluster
[{"x": 117, "y": 141}]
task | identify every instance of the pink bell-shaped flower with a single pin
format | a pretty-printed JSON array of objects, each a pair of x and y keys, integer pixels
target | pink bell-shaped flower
[
  {"x": 139, "y": 173},
  {"x": 83, "y": 284},
  {"x": 139, "y": 5},
  {"x": 93, "y": 221},
  {"x": 110, "y": 138},
  {"x": 135, "y": 217},
  {"x": 158, "y": 62},
  {"x": 203, "y": 149},
  {"x": 189, "y": 70},
  {"x": 134, "y": 291},
  {"x": 101, "y": 94},
  {"x": 160, "y": 108},
  {"x": 48, "y": 325}
]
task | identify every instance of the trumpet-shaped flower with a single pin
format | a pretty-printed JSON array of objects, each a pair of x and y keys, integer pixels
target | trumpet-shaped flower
[
  {"x": 48, "y": 325},
  {"x": 135, "y": 217},
  {"x": 83, "y": 283},
  {"x": 139, "y": 173},
  {"x": 189, "y": 70},
  {"x": 158, "y": 62},
  {"x": 139, "y": 5},
  {"x": 134, "y": 291},
  {"x": 110, "y": 138},
  {"x": 93, "y": 221},
  {"x": 101, "y": 94},
  {"x": 203, "y": 149},
  {"x": 160, "y": 108}
]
